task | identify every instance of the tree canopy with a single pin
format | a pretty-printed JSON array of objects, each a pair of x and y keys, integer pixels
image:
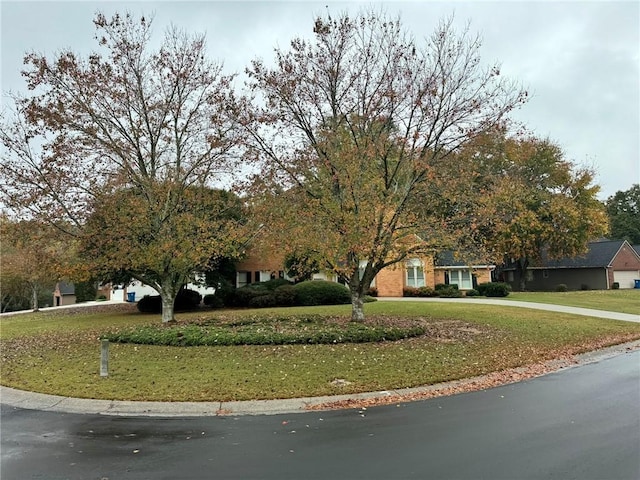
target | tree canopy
[
  {"x": 127, "y": 118},
  {"x": 530, "y": 200},
  {"x": 623, "y": 209},
  {"x": 357, "y": 126}
]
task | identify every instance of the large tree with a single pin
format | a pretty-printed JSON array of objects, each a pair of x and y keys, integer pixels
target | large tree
[
  {"x": 161, "y": 245},
  {"x": 356, "y": 127},
  {"x": 624, "y": 214},
  {"x": 530, "y": 201},
  {"x": 127, "y": 118}
]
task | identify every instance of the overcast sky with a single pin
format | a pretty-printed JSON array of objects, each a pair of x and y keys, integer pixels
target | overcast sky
[{"x": 579, "y": 60}]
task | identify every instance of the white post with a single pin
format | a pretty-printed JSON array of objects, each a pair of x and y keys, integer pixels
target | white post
[{"x": 104, "y": 358}]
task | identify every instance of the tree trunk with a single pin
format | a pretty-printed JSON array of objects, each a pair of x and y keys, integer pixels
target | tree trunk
[
  {"x": 523, "y": 264},
  {"x": 168, "y": 302},
  {"x": 168, "y": 293},
  {"x": 357, "y": 307},
  {"x": 34, "y": 298}
]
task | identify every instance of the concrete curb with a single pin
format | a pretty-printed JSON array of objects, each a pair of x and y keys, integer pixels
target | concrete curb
[{"x": 53, "y": 403}]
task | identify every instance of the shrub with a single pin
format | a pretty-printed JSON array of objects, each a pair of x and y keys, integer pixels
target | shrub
[
  {"x": 426, "y": 292},
  {"x": 419, "y": 292},
  {"x": 274, "y": 283},
  {"x": 101, "y": 298},
  {"x": 285, "y": 295},
  {"x": 372, "y": 292},
  {"x": 243, "y": 295},
  {"x": 472, "y": 293},
  {"x": 615, "y": 286},
  {"x": 494, "y": 289},
  {"x": 187, "y": 300},
  {"x": 561, "y": 287},
  {"x": 150, "y": 304},
  {"x": 263, "y": 301},
  {"x": 441, "y": 286},
  {"x": 369, "y": 299},
  {"x": 409, "y": 292},
  {"x": 321, "y": 292},
  {"x": 224, "y": 294},
  {"x": 449, "y": 292},
  {"x": 212, "y": 300},
  {"x": 285, "y": 331}
]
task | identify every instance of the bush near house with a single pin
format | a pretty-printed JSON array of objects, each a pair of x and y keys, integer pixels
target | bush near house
[
  {"x": 273, "y": 292},
  {"x": 186, "y": 300},
  {"x": 282, "y": 293},
  {"x": 494, "y": 289},
  {"x": 449, "y": 292},
  {"x": 419, "y": 292},
  {"x": 321, "y": 292}
]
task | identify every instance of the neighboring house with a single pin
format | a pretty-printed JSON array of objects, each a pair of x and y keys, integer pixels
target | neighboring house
[
  {"x": 604, "y": 263},
  {"x": 64, "y": 294},
  {"x": 390, "y": 282}
]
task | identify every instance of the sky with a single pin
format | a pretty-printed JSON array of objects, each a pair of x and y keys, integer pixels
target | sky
[{"x": 578, "y": 60}]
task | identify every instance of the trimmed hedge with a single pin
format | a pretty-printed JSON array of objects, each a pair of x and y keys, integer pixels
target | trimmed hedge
[
  {"x": 321, "y": 292},
  {"x": 494, "y": 289},
  {"x": 263, "y": 332}
]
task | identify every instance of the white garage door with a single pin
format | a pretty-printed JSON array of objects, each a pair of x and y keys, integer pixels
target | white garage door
[{"x": 626, "y": 279}]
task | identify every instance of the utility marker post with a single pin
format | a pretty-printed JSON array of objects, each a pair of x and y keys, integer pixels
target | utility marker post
[{"x": 104, "y": 358}]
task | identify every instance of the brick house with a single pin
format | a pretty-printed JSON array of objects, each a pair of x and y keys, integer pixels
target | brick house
[
  {"x": 605, "y": 262},
  {"x": 390, "y": 282}
]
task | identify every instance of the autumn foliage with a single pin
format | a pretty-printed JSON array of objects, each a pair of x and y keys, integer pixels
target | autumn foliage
[{"x": 356, "y": 128}]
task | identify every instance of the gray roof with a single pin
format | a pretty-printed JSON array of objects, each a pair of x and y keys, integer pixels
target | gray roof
[
  {"x": 66, "y": 288},
  {"x": 446, "y": 258},
  {"x": 636, "y": 248},
  {"x": 600, "y": 254}
]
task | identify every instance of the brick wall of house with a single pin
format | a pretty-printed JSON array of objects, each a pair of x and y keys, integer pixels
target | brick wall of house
[
  {"x": 390, "y": 281},
  {"x": 625, "y": 260},
  {"x": 483, "y": 275},
  {"x": 274, "y": 263}
]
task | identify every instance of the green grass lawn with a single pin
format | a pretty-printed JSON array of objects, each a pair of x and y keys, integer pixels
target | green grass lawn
[
  {"x": 624, "y": 301},
  {"x": 59, "y": 352}
]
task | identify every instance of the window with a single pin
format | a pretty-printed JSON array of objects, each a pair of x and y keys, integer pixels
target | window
[
  {"x": 462, "y": 278},
  {"x": 243, "y": 278},
  {"x": 509, "y": 276},
  {"x": 415, "y": 273},
  {"x": 545, "y": 274},
  {"x": 529, "y": 275}
]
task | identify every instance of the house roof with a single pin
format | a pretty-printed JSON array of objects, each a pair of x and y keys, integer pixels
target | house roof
[
  {"x": 600, "y": 254},
  {"x": 636, "y": 248},
  {"x": 447, "y": 258},
  {"x": 66, "y": 288}
]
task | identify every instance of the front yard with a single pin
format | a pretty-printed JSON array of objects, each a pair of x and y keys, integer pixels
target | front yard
[{"x": 58, "y": 353}]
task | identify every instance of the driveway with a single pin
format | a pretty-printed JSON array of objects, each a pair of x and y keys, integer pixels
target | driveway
[{"x": 589, "y": 312}]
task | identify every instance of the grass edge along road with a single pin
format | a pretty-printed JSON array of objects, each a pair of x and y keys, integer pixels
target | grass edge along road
[{"x": 58, "y": 353}]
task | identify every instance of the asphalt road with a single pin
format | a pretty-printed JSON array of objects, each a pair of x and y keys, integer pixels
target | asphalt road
[{"x": 581, "y": 423}]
